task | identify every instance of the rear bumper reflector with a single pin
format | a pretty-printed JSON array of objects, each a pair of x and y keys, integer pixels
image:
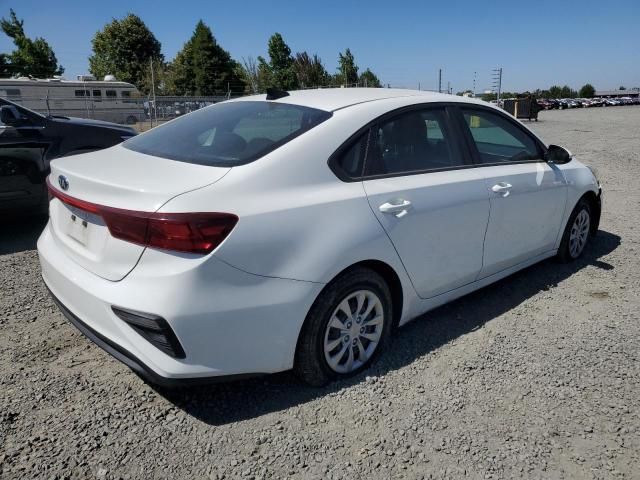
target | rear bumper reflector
[{"x": 152, "y": 328}]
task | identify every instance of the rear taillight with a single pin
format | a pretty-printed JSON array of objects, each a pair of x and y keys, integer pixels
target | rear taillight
[{"x": 183, "y": 232}]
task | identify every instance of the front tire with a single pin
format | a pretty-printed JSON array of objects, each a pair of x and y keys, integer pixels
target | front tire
[
  {"x": 577, "y": 233},
  {"x": 346, "y": 329}
]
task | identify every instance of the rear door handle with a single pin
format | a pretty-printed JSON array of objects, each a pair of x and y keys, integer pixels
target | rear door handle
[
  {"x": 399, "y": 207},
  {"x": 503, "y": 188}
]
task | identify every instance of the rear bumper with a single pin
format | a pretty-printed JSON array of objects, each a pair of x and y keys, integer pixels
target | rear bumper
[
  {"x": 230, "y": 323},
  {"x": 131, "y": 361}
]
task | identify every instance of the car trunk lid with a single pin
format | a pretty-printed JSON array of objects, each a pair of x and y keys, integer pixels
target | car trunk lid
[{"x": 116, "y": 178}]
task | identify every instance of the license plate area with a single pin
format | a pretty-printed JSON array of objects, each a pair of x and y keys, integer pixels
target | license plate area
[{"x": 78, "y": 224}]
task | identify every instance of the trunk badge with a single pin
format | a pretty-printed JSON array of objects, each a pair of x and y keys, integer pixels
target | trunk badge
[{"x": 63, "y": 182}]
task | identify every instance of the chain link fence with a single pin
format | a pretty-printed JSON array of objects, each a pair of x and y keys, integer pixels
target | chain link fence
[{"x": 142, "y": 113}]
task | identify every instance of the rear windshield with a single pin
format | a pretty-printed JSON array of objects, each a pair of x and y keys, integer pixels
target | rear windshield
[{"x": 229, "y": 133}]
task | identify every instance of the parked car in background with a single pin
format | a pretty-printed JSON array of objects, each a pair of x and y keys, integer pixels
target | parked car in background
[
  {"x": 297, "y": 230},
  {"x": 545, "y": 104},
  {"x": 28, "y": 143}
]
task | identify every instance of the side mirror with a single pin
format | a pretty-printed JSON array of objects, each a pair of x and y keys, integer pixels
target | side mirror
[
  {"x": 9, "y": 115},
  {"x": 557, "y": 154}
]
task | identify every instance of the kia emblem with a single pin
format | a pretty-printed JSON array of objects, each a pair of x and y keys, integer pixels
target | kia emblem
[{"x": 63, "y": 182}]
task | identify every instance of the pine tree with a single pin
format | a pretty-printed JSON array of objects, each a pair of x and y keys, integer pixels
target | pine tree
[
  {"x": 279, "y": 72},
  {"x": 31, "y": 57},
  {"x": 203, "y": 67},
  {"x": 369, "y": 79},
  {"x": 347, "y": 68}
]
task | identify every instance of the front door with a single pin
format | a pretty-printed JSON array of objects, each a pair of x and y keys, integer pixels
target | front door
[
  {"x": 434, "y": 211},
  {"x": 527, "y": 194}
]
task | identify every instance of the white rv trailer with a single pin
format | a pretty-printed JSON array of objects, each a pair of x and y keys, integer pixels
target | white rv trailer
[{"x": 86, "y": 97}]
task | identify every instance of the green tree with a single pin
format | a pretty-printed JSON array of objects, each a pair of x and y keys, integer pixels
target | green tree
[
  {"x": 181, "y": 69},
  {"x": 587, "y": 91},
  {"x": 203, "y": 67},
  {"x": 555, "y": 91},
  {"x": 310, "y": 71},
  {"x": 279, "y": 72},
  {"x": 125, "y": 48},
  {"x": 31, "y": 57},
  {"x": 5, "y": 66},
  {"x": 568, "y": 92},
  {"x": 347, "y": 68},
  {"x": 621, "y": 87},
  {"x": 369, "y": 79}
]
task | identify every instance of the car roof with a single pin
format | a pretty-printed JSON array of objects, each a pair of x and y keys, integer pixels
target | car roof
[{"x": 332, "y": 99}]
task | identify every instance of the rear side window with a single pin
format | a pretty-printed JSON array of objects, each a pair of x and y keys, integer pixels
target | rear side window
[
  {"x": 229, "y": 133},
  {"x": 498, "y": 139},
  {"x": 413, "y": 141},
  {"x": 349, "y": 162}
]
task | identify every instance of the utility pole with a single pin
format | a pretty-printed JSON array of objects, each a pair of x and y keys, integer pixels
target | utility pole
[
  {"x": 440, "y": 81},
  {"x": 497, "y": 83},
  {"x": 475, "y": 74},
  {"x": 153, "y": 94}
]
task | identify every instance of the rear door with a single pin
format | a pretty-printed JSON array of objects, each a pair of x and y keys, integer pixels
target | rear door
[
  {"x": 433, "y": 208},
  {"x": 527, "y": 194}
]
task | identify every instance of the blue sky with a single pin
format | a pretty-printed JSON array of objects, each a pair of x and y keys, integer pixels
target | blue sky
[{"x": 538, "y": 43}]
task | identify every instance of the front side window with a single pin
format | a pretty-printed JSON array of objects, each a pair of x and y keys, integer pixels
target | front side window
[
  {"x": 498, "y": 139},
  {"x": 229, "y": 133},
  {"x": 414, "y": 141}
]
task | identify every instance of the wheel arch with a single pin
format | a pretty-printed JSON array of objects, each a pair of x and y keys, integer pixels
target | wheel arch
[
  {"x": 596, "y": 209},
  {"x": 389, "y": 275}
]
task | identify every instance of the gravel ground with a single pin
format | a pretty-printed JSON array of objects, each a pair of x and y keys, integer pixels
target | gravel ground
[{"x": 537, "y": 376}]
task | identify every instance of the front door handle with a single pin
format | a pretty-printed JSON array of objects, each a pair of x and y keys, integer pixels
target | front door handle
[
  {"x": 399, "y": 207},
  {"x": 502, "y": 188}
]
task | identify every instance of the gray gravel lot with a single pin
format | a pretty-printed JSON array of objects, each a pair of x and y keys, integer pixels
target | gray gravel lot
[{"x": 537, "y": 376}]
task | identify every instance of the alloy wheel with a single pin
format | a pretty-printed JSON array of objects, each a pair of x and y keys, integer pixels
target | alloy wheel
[
  {"x": 354, "y": 331},
  {"x": 579, "y": 233}
]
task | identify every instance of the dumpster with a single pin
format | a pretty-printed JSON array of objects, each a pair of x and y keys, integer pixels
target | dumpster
[{"x": 523, "y": 108}]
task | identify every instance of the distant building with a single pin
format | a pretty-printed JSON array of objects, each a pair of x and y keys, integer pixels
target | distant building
[{"x": 629, "y": 92}]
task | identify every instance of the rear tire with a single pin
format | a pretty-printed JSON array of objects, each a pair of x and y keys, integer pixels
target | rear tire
[
  {"x": 576, "y": 233},
  {"x": 131, "y": 120},
  {"x": 335, "y": 343}
]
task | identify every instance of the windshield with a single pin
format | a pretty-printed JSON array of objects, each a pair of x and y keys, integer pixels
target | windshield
[{"x": 229, "y": 133}]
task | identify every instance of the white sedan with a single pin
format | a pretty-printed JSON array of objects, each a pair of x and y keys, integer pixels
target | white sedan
[{"x": 298, "y": 230}]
